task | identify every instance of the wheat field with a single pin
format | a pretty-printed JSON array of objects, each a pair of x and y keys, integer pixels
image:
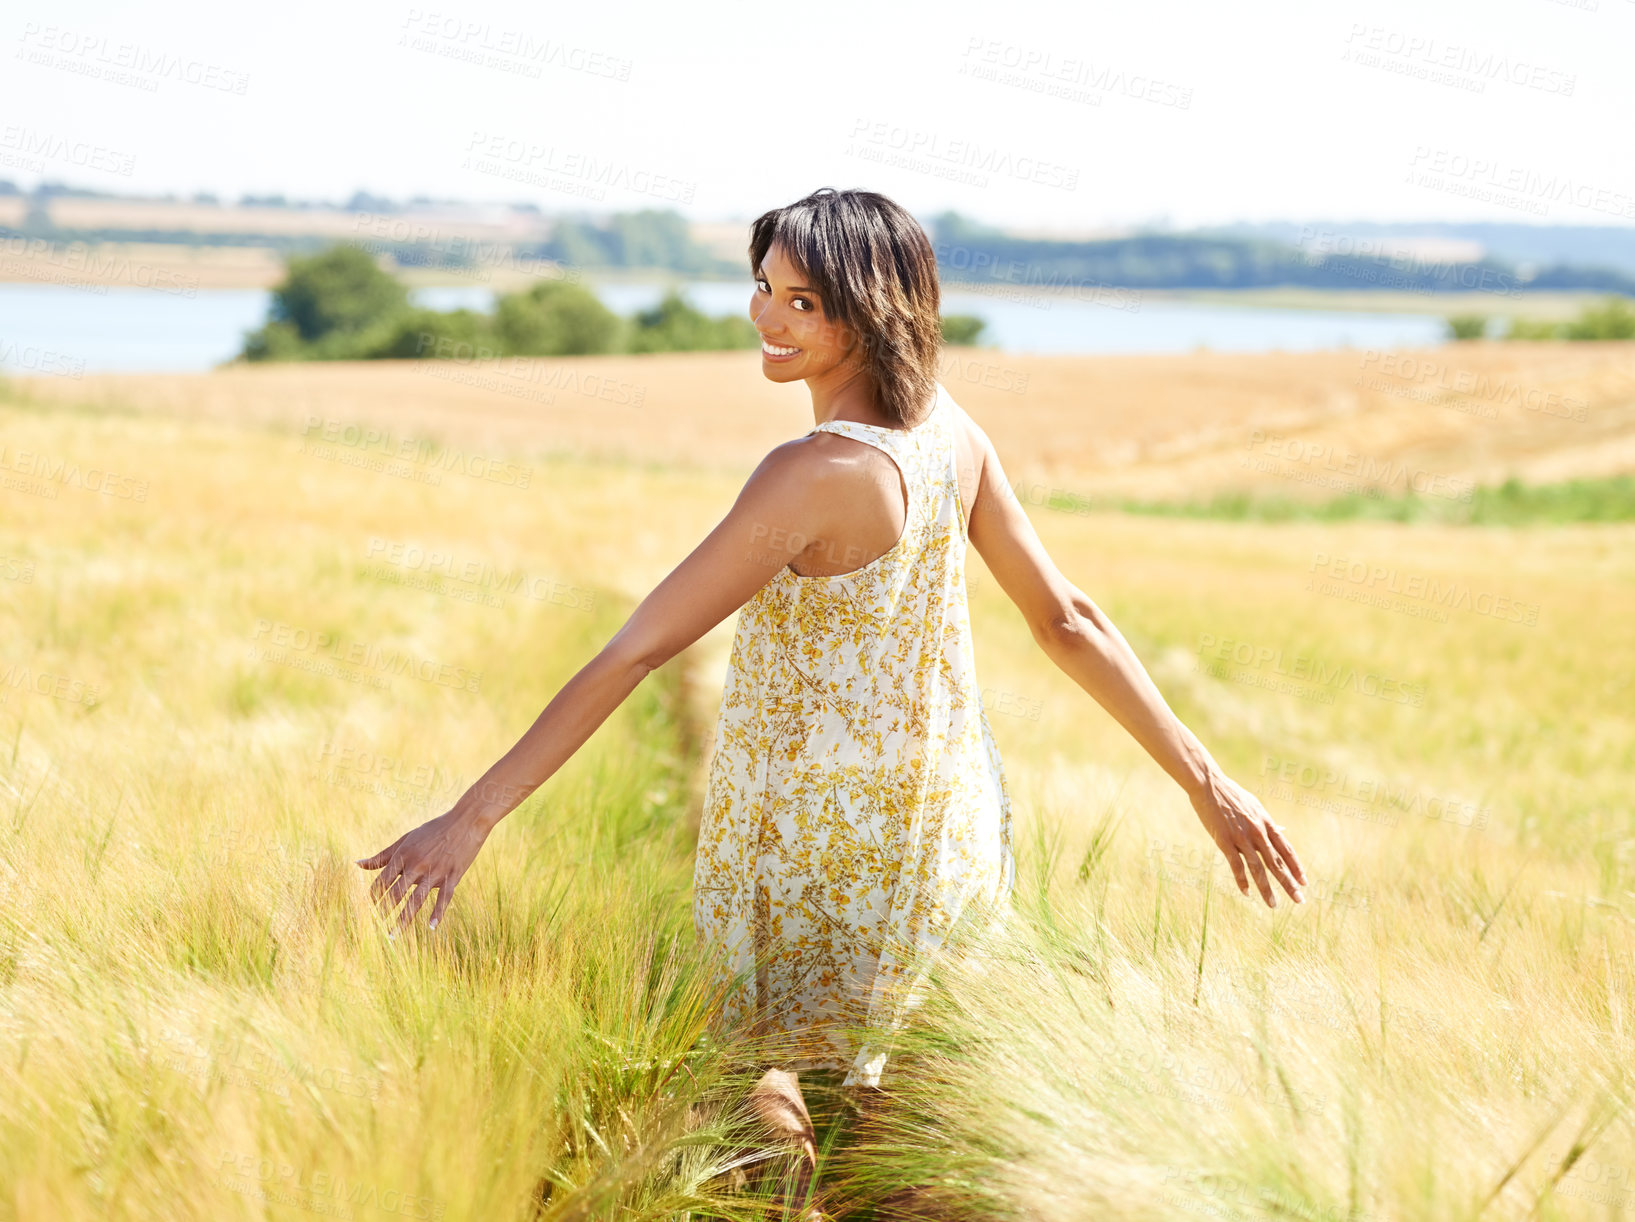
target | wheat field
[
  {"x": 256, "y": 623},
  {"x": 1312, "y": 424}
]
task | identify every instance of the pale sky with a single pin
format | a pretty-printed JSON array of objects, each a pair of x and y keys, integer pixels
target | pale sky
[{"x": 1057, "y": 116}]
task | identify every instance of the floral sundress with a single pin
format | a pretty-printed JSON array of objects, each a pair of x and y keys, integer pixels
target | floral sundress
[{"x": 856, "y": 808}]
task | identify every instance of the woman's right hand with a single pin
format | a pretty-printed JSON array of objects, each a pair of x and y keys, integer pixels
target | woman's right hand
[
  {"x": 1243, "y": 831},
  {"x": 434, "y": 856}
]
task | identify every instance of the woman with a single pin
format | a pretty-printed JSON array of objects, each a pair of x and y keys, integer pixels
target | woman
[{"x": 856, "y": 807}]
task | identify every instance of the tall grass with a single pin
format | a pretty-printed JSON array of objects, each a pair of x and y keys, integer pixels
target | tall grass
[{"x": 201, "y": 1017}]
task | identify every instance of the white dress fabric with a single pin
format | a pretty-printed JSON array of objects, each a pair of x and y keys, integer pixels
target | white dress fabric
[{"x": 856, "y": 808}]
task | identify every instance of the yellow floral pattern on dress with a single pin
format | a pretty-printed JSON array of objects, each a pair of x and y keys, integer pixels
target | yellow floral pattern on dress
[{"x": 856, "y": 805}]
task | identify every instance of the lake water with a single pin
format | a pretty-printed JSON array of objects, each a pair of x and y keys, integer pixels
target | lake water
[{"x": 69, "y": 329}]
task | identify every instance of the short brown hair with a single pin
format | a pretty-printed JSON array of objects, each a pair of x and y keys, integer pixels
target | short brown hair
[{"x": 874, "y": 269}]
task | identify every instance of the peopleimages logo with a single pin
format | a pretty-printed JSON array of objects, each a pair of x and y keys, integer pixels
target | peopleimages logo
[
  {"x": 479, "y": 42},
  {"x": 919, "y": 147},
  {"x": 1483, "y": 386},
  {"x": 428, "y": 459},
  {"x": 578, "y": 173},
  {"x": 291, "y": 644},
  {"x": 81, "y": 259},
  {"x": 1522, "y": 187},
  {"x": 1374, "y": 473},
  {"x": 1327, "y": 677},
  {"x": 1385, "y": 579},
  {"x": 44, "y": 683},
  {"x": 1374, "y": 797},
  {"x": 32, "y": 142},
  {"x": 123, "y": 63},
  {"x": 1073, "y": 78},
  {"x": 57, "y": 472},
  {"x": 470, "y": 579},
  {"x": 1450, "y": 63},
  {"x": 1389, "y": 263}
]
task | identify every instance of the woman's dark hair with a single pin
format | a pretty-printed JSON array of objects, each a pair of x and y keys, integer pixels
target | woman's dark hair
[{"x": 873, "y": 267}]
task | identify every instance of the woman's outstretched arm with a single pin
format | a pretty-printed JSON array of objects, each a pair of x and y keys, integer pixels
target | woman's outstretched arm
[
  {"x": 790, "y": 501},
  {"x": 1079, "y": 638}
]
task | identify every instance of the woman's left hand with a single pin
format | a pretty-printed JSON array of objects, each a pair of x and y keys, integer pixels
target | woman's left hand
[
  {"x": 1242, "y": 830},
  {"x": 434, "y": 855}
]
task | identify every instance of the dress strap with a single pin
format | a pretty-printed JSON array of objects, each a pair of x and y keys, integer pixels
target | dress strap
[{"x": 919, "y": 452}]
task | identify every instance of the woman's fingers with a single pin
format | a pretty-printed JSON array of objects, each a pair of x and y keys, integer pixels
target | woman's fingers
[
  {"x": 1284, "y": 876},
  {"x": 1286, "y": 851},
  {"x": 1267, "y": 845},
  {"x": 412, "y": 882},
  {"x": 1259, "y": 871},
  {"x": 400, "y": 888},
  {"x": 1260, "y": 857},
  {"x": 1242, "y": 829},
  {"x": 417, "y": 897},
  {"x": 444, "y": 893},
  {"x": 1235, "y": 860},
  {"x": 389, "y": 874},
  {"x": 1261, "y": 832},
  {"x": 382, "y": 857}
]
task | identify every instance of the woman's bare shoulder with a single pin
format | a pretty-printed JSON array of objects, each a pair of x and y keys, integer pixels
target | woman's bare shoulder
[{"x": 828, "y": 464}]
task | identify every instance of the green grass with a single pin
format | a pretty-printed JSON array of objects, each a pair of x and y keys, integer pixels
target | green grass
[{"x": 1512, "y": 503}]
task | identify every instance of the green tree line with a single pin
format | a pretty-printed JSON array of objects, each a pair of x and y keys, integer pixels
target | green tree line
[
  {"x": 1612, "y": 319},
  {"x": 966, "y": 251},
  {"x": 969, "y": 252},
  {"x": 339, "y": 305}
]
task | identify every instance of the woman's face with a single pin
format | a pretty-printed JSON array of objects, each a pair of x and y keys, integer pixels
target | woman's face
[{"x": 797, "y": 339}]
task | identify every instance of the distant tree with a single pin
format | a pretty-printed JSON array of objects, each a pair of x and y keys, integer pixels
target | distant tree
[
  {"x": 554, "y": 318},
  {"x": 736, "y": 332},
  {"x": 1467, "y": 326},
  {"x": 1533, "y": 328},
  {"x": 1613, "y": 319},
  {"x": 362, "y": 201},
  {"x": 952, "y": 227},
  {"x": 53, "y": 187},
  {"x": 437, "y": 335},
  {"x": 276, "y": 341},
  {"x": 649, "y": 238},
  {"x": 340, "y": 290},
  {"x": 1562, "y": 277},
  {"x": 574, "y": 243},
  {"x": 675, "y": 325},
  {"x": 961, "y": 329}
]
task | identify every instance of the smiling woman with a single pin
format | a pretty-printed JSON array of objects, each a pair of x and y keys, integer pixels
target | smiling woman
[
  {"x": 887, "y": 326},
  {"x": 856, "y": 824}
]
